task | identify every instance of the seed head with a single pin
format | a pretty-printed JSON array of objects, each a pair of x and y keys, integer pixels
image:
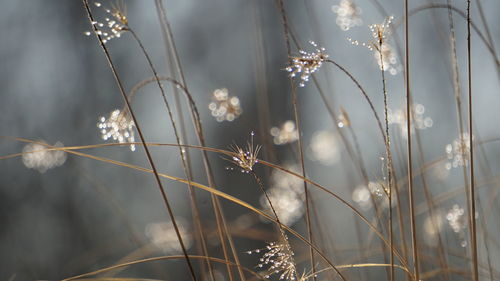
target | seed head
[
  {"x": 381, "y": 30},
  {"x": 118, "y": 126},
  {"x": 458, "y": 152},
  {"x": 348, "y": 14},
  {"x": 383, "y": 52},
  {"x": 456, "y": 218},
  {"x": 39, "y": 156},
  {"x": 278, "y": 258},
  {"x": 307, "y": 63},
  {"x": 287, "y": 133},
  {"x": 245, "y": 158},
  {"x": 224, "y": 107},
  {"x": 116, "y": 22}
]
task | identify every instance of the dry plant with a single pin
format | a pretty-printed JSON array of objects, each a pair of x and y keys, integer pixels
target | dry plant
[{"x": 359, "y": 200}]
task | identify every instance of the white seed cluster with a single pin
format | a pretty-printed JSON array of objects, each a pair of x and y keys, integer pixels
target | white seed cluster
[
  {"x": 456, "y": 218},
  {"x": 418, "y": 121},
  {"x": 117, "y": 126},
  {"x": 307, "y": 63},
  {"x": 40, "y": 157},
  {"x": 288, "y": 204},
  {"x": 224, "y": 107},
  {"x": 286, "y": 194},
  {"x": 348, "y": 14},
  {"x": 381, "y": 30},
  {"x": 361, "y": 196},
  {"x": 115, "y": 24},
  {"x": 383, "y": 52},
  {"x": 458, "y": 152},
  {"x": 324, "y": 148},
  {"x": 280, "y": 179},
  {"x": 163, "y": 236},
  {"x": 376, "y": 188},
  {"x": 278, "y": 258},
  {"x": 287, "y": 133},
  {"x": 432, "y": 226},
  {"x": 245, "y": 158},
  {"x": 388, "y": 61}
]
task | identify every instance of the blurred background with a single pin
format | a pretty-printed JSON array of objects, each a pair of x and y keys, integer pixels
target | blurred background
[{"x": 62, "y": 215}]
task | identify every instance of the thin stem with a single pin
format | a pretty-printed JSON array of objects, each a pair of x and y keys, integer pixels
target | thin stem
[
  {"x": 389, "y": 157},
  {"x": 286, "y": 31},
  {"x": 409, "y": 115},
  {"x": 268, "y": 199},
  {"x": 472, "y": 197}
]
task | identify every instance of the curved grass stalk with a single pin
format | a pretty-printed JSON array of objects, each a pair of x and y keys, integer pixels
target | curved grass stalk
[
  {"x": 365, "y": 95},
  {"x": 163, "y": 258},
  {"x": 182, "y": 153},
  {"x": 222, "y": 151},
  {"x": 428, "y": 166},
  {"x": 361, "y": 265},
  {"x": 78, "y": 277},
  {"x": 385, "y": 134},
  {"x": 184, "y": 159},
  {"x": 220, "y": 219},
  {"x": 222, "y": 194}
]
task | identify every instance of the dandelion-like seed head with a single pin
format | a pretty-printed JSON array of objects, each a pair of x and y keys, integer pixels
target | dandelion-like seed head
[
  {"x": 361, "y": 196},
  {"x": 458, "y": 152},
  {"x": 324, "y": 148},
  {"x": 456, "y": 218},
  {"x": 245, "y": 158},
  {"x": 278, "y": 259},
  {"x": 287, "y": 203},
  {"x": 224, "y": 107},
  {"x": 286, "y": 192},
  {"x": 419, "y": 120},
  {"x": 307, "y": 63},
  {"x": 115, "y": 23},
  {"x": 377, "y": 188},
  {"x": 40, "y": 157},
  {"x": 286, "y": 181},
  {"x": 163, "y": 236},
  {"x": 118, "y": 126},
  {"x": 433, "y": 225},
  {"x": 386, "y": 58},
  {"x": 383, "y": 52},
  {"x": 287, "y": 133},
  {"x": 381, "y": 30},
  {"x": 119, "y": 12},
  {"x": 348, "y": 14}
]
